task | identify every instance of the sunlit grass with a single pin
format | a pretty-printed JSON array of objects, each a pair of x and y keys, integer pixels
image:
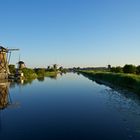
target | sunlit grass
[{"x": 129, "y": 81}]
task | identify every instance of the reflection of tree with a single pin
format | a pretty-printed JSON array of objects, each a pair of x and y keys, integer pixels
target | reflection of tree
[
  {"x": 53, "y": 76},
  {"x": 61, "y": 73},
  {"x": 40, "y": 79},
  {"x": 120, "y": 99},
  {"x": 20, "y": 82},
  {"x": 124, "y": 101}
]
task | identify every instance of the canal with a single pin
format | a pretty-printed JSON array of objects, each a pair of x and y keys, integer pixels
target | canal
[{"x": 68, "y": 107}]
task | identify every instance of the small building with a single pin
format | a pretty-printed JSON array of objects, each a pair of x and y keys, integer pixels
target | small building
[{"x": 21, "y": 65}]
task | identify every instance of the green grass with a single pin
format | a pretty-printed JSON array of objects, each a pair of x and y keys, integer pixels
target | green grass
[
  {"x": 31, "y": 74},
  {"x": 128, "y": 81},
  {"x": 49, "y": 74}
]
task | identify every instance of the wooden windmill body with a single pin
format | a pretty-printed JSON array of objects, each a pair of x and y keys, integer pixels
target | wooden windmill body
[{"x": 4, "y": 69}]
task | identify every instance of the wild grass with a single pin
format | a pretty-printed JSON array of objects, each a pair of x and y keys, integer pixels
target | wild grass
[{"x": 128, "y": 81}]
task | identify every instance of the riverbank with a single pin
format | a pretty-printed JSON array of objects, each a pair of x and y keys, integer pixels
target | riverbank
[
  {"x": 31, "y": 74},
  {"x": 46, "y": 74},
  {"x": 127, "y": 81}
]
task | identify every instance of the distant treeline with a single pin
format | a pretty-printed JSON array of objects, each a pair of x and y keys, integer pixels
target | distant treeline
[
  {"x": 128, "y": 68},
  {"x": 89, "y": 68}
]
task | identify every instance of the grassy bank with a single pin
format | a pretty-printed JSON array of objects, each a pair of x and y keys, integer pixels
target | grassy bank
[
  {"x": 32, "y": 74},
  {"x": 127, "y": 81},
  {"x": 50, "y": 74}
]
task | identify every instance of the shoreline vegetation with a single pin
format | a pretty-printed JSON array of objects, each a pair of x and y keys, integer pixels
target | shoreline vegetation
[
  {"x": 36, "y": 73},
  {"x": 128, "y": 81}
]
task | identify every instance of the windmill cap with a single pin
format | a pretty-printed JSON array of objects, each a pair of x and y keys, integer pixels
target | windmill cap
[
  {"x": 3, "y": 49},
  {"x": 21, "y": 62}
]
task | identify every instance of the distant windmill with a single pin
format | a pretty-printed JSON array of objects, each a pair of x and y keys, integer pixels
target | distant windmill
[{"x": 5, "y": 55}]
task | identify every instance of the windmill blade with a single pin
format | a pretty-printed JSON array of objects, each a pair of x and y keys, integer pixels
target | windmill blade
[
  {"x": 8, "y": 57},
  {"x": 13, "y": 49}
]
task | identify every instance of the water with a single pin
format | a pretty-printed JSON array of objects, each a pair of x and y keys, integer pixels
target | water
[{"x": 70, "y": 107}]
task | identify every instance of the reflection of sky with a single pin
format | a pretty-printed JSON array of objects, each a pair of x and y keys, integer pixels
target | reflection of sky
[
  {"x": 128, "y": 106},
  {"x": 70, "y": 107}
]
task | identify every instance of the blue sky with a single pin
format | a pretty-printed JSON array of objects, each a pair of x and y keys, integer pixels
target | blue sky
[{"x": 71, "y": 32}]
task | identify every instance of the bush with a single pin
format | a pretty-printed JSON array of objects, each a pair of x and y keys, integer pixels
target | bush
[
  {"x": 129, "y": 68},
  {"x": 29, "y": 73},
  {"x": 138, "y": 69},
  {"x": 117, "y": 69},
  {"x": 12, "y": 69},
  {"x": 40, "y": 72}
]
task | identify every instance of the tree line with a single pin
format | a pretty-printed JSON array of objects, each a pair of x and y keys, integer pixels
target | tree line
[{"x": 128, "y": 68}]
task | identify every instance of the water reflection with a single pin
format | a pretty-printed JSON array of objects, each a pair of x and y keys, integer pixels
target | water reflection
[
  {"x": 123, "y": 101},
  {"x": 128, "y": 106},
  {"x": 4, "y": 98},
  {"x": 4, "y": 90},
  {"x": 41, "y": 79},
  {"x": 69, "y": 109},
  {"x": 53, "y": 77},
  {"x": 30, "y": 81},
  {"x": 20, "y": 82}
]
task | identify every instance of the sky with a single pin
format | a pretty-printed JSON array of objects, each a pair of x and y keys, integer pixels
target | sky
[{"x": 71, "y": 33}]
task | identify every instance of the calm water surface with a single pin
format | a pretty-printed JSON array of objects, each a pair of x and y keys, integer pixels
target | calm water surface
[{"x": 70, "y": 107}]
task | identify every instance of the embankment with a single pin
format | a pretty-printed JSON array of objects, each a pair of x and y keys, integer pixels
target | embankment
[{"x": 130, "y": 82}]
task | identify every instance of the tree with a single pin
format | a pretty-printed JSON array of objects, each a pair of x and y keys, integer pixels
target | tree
[
  {"x": 109, "y": 67},
  {"x": 61, "y": 68},
  {"x": 55, "y": 67},
  {"x": 12, "y": 69},
  {"x": 129, "y": 68},
  {"x": 40, "y": 72},
  {"x": 48, "y": 68},
  {"x": 29, "y": 73},
  {"x": 117, "y": 69},
  {"x": 138, "y": 69}
]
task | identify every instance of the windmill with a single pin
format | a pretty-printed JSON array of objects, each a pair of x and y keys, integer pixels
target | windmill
[{"x": 5, "y": 55}]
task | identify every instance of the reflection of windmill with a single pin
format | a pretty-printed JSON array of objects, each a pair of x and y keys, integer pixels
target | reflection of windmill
[
  {"x": 5, "y": 55},
  {"x": 5, "y": 98},
  {"x": 4, "y": 87}
]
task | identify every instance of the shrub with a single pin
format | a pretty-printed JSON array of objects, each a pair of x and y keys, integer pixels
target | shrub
[
  {"x": 40, "y": 72},
  {"x": 138, "y": 69},
  {"x": 117, "y": 69},
  {"x": 129, "y": 68},
  {"x": 29, "y": 73},
  {"x": 12, "y": 69}
]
